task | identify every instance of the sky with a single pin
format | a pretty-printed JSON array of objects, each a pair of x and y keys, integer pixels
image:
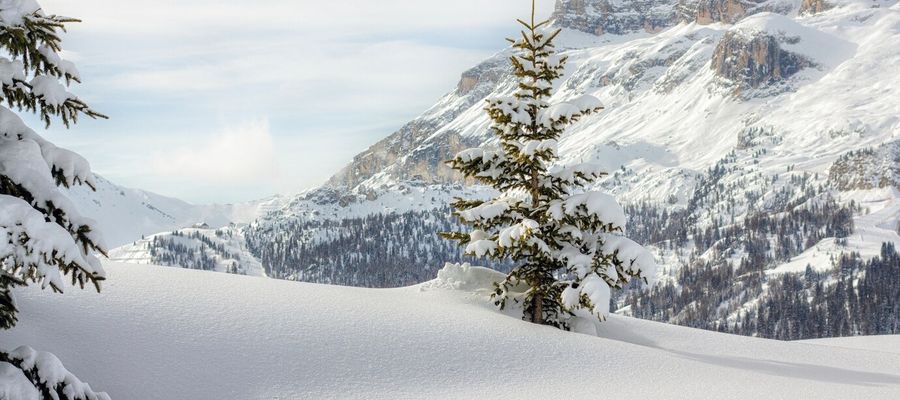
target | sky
[{"x": 222, "y": 101}]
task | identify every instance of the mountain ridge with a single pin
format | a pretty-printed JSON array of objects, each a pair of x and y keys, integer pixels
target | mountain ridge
[{"x": 124, "y": 215}]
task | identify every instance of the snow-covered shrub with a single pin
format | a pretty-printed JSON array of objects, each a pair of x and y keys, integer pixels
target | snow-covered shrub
[{"x": 465, "y": 277}]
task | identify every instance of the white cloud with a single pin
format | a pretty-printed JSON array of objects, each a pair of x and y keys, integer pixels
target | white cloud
[
  {"x": 183, "y": 18},
  {"x": 169, "y": 71},
  {"x": 241, "y": 155}
]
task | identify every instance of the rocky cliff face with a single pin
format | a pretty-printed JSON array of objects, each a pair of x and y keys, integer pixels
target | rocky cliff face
[
  {"x": 705, "y": 12},
  {"x": 619, "y": 16},
  {"x": 745, "y": 63},
  {"x": 813, "y": 6},
  {"x": 406, "y": 154},
  {"x": 616, "y": 17}
]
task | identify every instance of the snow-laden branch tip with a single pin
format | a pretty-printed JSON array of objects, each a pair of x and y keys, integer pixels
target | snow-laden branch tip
[
  {"x": 591, "y": 204},
  {"x": 569, "y": 110}
]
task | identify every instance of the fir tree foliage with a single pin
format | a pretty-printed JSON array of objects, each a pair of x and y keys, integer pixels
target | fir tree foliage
[
  {"x": 42, "y": 237},
  {"x": 566, "y": 242}
]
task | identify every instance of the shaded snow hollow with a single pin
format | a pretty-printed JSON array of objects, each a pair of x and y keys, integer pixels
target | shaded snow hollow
[{"x": 157, "y": 333}]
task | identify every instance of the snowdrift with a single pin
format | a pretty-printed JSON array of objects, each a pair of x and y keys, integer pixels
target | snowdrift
[{"x": 167, "y": 333}]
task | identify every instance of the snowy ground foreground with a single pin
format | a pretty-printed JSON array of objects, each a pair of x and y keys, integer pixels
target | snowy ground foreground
[{"x": 171, "y": 333}]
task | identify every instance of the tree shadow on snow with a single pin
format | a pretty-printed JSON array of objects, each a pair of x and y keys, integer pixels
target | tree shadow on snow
[{"x": 812, "y": 372}]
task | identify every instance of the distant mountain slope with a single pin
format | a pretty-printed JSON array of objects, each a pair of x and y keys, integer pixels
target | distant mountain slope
[
  {"x": 785, "y": 91},
  {"x": 217, "y": 336},
  {"x": 124, "y": 215},
  {"x": 756, "y": 144},
  {"x": 219, "y": 250}
]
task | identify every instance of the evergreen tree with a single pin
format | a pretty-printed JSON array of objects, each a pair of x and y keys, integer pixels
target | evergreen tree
[
  {"x": 566, "y": 242},
  {"x": 42, "y": 236}
]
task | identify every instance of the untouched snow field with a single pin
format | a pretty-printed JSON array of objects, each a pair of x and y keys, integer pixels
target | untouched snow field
[{"x": 168, "y": 333}]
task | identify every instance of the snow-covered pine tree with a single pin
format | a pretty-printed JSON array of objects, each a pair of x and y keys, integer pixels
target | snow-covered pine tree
[
  {"x": 566, "y": 242},
  {"x": 42, "y": 236}
]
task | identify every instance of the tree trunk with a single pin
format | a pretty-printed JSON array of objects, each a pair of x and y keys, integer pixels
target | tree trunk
[{"x": 537, "y": 315}]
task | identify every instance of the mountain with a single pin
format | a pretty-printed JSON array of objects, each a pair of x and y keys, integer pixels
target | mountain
[
  {"x": 125, "y": 215},
  {"x": 755, "y": 143},
  {"x": 190, "y": 335}
]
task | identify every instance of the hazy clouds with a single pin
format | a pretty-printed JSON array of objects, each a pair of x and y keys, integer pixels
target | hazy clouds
[{"x": 314, "y": 81}]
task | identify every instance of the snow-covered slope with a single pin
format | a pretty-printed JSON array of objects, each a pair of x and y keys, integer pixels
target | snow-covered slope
[
  {"x": 183, "y": 334},
  {"x": 124, "y": 215},
  {"x": 220, "y": 250}
]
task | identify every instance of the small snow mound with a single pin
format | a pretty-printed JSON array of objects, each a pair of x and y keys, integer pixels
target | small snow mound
[{"x": 465, "y": 277}]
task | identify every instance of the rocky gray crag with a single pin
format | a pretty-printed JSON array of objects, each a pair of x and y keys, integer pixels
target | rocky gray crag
[
  {"x": 743, "y": 63},
  {"x": 406, "y": 153},
  {"x": 616, "y": 17},
  {"x": 705, "y": 12},
  {"x": 814, "y": 6}
]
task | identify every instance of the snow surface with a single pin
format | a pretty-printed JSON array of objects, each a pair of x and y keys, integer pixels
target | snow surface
[
  {"x": 170, "y": 333},
  {"x": 886, "y": 343}
]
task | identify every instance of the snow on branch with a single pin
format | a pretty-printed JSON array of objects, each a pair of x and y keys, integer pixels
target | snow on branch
[
  {"x": 486, "y": 211},
  {"x": 26, "y": 242},
  {"x": 578, "y": 173},
  {"x": 32, "y": 41},
  {"x": 569, "y": 111},
  {"x": 33, "y": 166},
  {"x": 632, "y": 258},
  {"x": 26, "y": 374},
  {"x": 594, "y": 204}
]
